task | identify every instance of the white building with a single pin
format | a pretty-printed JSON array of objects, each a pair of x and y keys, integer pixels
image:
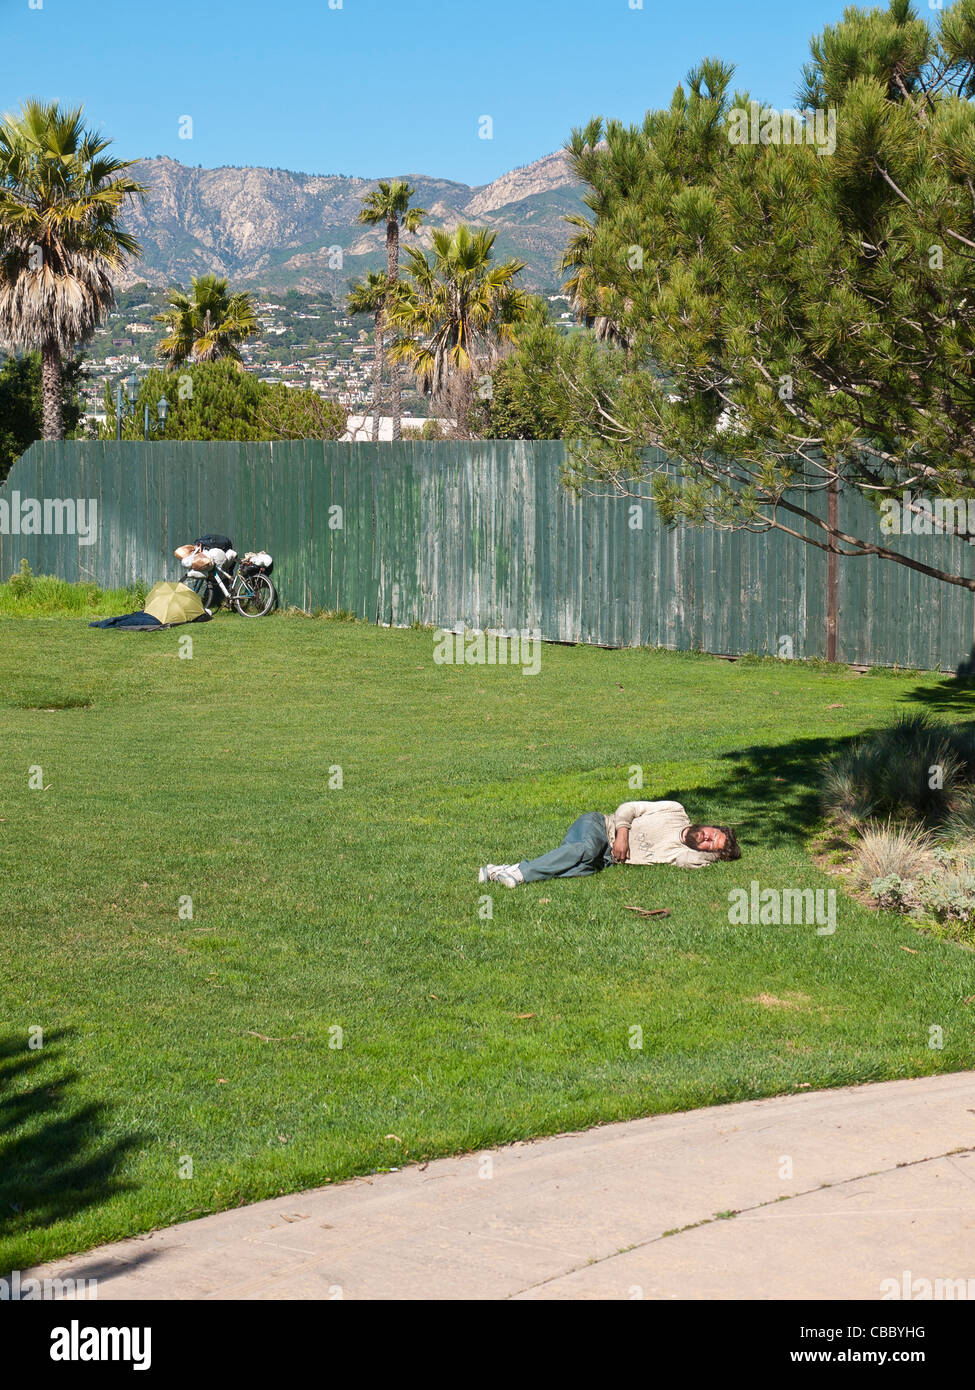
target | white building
[{"x": 359, "y": 427}]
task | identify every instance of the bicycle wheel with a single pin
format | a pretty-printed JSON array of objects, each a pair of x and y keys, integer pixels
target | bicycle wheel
[
  {"x": 212, "y": 596},
  {"x": 209, "y": 595},
  {"x": 256, "y": 597}
]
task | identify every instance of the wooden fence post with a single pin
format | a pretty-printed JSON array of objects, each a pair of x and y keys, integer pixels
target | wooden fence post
[{"x": 832, "y": 571}]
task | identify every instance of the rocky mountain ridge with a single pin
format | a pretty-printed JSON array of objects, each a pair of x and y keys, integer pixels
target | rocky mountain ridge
[{"x": 279, "y": 229}]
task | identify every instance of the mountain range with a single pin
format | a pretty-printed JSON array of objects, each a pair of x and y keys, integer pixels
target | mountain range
[{"x": 276, "y": 229}]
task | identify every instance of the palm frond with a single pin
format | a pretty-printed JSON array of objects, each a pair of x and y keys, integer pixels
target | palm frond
[{"x": 60, "y": 239}]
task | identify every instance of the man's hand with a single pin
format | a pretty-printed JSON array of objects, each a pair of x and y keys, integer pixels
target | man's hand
[{"x": 621, "y": 845}]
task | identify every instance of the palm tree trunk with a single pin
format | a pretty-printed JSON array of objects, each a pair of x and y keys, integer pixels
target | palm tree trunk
[
  {"x": 52, "y": 390},
  {"x": 392, "y": 275},
  {"x": 377, "y": 375}
]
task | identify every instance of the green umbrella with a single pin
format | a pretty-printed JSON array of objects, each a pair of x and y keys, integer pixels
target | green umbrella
[{"x": 173, "y": 603}]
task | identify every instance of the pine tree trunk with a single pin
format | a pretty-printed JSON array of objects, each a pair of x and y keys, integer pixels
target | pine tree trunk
[
  {"x": 392, "y": 274},
  {"x": 377, "y": 375},
  {"x": 52, "y": 390}
]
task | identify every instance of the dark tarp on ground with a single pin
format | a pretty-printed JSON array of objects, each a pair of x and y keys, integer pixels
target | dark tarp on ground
[{"x": 143, "y": 622}]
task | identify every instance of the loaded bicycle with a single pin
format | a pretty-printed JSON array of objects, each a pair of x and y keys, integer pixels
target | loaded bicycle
[{"x": 214, "y": 570}]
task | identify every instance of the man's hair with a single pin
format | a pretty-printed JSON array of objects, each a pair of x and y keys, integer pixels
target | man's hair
[{"x": 730, "y": 850}]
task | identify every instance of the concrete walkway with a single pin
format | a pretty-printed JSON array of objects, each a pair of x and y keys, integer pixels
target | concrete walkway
[{"x": 833, "y": 1193}]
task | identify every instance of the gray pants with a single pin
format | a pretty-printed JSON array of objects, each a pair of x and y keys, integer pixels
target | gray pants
[{"x": 585, "y": 850}]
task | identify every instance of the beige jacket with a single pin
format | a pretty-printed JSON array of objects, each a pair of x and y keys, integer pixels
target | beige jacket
[{"x": 655, "y": 828}]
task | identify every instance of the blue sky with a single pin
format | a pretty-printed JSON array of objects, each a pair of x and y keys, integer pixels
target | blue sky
[{"x": 382, "y": 87}]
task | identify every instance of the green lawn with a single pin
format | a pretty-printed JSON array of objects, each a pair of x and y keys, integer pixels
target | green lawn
[{"x": 357, "y": 908}]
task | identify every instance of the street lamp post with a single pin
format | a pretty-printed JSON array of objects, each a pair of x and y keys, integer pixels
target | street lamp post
[
  {"x": 157, "y": 426},
  {"x": 121, "y": 410}
]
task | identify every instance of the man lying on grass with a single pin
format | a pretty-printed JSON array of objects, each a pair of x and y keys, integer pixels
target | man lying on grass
[{"x": 640, "y": 832}]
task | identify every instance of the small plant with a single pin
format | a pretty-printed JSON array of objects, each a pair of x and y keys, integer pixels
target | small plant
[
  {"x": 844, "y": 797},
  {"x": 958, "y": 827},
  {"x": 943, "y": 897},
  {"x": 23, "y": 581},
  {"x": 893, "y": 851},
  {"x": 948, "y": 897},
  {"x": 333, "y": 615},
  {"x": 138, "y": 592},
  {"x": 892, "y": 892}
]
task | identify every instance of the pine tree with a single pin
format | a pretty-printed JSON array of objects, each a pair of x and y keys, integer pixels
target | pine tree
[{"x": 795, "y": 317}]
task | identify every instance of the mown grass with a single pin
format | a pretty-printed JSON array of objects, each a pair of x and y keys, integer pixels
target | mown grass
[{"x": 212, "y": 1039}]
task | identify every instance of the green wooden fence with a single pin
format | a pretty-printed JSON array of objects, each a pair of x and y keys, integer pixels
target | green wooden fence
[{"x": 483, "y": 534}]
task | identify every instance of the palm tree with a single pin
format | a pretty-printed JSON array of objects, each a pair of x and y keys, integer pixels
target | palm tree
[
  {"x": 60, "y": 239},
  {"x": 206, "y": 324},
  {"x": 586, "y": 294},
  {"x": 390, "y": 203},
  {"x": 612, "y": 167},
  {"x": 369, "y": 297},
  {"x": 457, "y": 309}
]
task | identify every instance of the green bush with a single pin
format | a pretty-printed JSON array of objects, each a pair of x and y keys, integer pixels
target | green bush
[
  {"x": 920, "y": 775},
  {"x": 917, "y": 770}
]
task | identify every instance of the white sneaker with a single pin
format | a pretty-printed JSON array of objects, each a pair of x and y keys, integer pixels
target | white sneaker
[{"x": 508, "y": 874}]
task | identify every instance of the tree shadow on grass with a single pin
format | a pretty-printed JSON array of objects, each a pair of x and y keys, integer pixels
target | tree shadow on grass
[
  {"x": 769, "y": 794},
  {"x": 55, "y": 1160},
  {"x": 955, "y": 695}
]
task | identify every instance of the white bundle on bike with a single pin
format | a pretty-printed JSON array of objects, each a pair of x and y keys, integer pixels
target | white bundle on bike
[
  {"x": 257, "y": 557},
  {"x": 198, "y": 562},
  {"x": 217, "y": 557}
]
